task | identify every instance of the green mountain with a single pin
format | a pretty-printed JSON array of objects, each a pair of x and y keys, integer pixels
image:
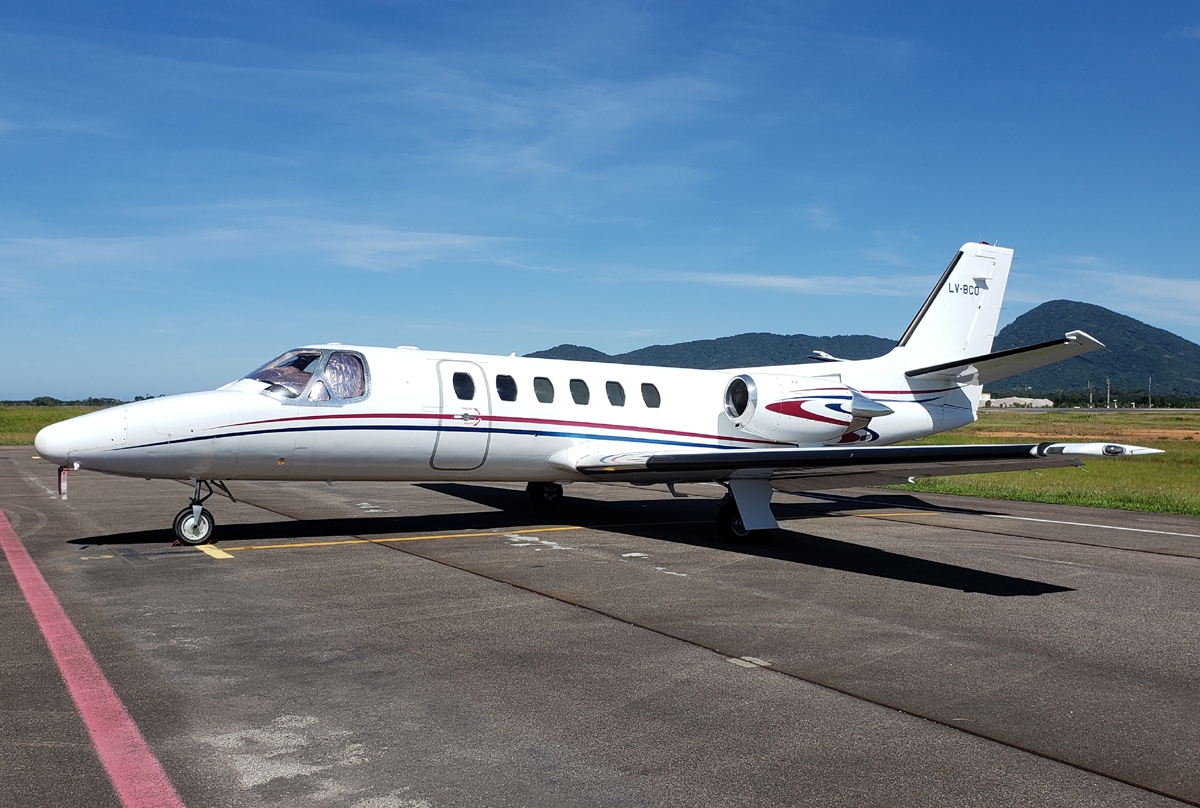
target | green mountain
[
  {"x": 1134, "y": 352},
  {"x": 743, "y": 350}
]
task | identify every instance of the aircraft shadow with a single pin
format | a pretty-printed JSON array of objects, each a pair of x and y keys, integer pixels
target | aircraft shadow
[
  {"x": 785, "y": 545},
  {"x": 877, "y": 500},
  {"x": 366, "y": 526},
  {"x": 682, "y": 521}
]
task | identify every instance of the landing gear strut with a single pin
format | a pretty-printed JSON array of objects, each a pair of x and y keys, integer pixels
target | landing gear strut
[
  {"x": 194, "y": 525},
  {"x": 730, "y": 527},
  {"x": 544, "y": 495}
]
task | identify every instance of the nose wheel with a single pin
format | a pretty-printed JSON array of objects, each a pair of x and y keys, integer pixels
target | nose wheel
[
  {"x": 193, "y": 528},
  {"x": 194, "y": 525}
]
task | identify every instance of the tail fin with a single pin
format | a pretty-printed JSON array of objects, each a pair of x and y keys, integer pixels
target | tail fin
[{"x": 960, "y": 316}]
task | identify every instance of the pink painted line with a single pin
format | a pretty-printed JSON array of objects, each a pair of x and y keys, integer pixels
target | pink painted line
[
  {"x": 136, "y": 774},
  {"x": 510, "y": 419}
]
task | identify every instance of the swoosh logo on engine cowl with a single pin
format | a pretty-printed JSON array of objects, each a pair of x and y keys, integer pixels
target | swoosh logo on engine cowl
[{"x": 795, "y": 409}]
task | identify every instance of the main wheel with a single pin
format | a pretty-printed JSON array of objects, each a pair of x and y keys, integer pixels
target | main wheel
[
  {"x": 190, "y": 531},
  {"x": 729, "y": 522},
  {"x": 544, "y": 495},
  {"x": 730, "y": 527}
]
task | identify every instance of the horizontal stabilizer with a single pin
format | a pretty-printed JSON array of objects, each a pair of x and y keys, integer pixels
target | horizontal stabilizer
[{"x": 1002, "y": 364}]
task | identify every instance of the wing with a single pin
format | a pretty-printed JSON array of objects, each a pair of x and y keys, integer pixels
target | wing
[
  {"x": 1002, "y": 364},
  {"x": 818, "y": 468}
]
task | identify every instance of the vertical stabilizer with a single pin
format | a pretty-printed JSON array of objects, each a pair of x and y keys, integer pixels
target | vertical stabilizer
[{"x": 960, "y": 316}]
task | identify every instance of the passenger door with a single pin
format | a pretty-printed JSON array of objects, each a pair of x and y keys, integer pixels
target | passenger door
[{"x": 463, "y": 429}]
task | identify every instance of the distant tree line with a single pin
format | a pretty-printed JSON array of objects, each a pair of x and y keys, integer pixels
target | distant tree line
[
  {"x": 1122, "y": 398},
  {"x": 49, "y": 401}
]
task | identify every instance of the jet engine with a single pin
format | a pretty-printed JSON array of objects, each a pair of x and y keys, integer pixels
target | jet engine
[{"x": 798, "y": 409}]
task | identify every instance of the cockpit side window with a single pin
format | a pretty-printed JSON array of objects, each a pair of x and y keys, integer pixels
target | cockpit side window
[
  {"x": 289, "y": 374},
  {"x": 345, "y": 377}
]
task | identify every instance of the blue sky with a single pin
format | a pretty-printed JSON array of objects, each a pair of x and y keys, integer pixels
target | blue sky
[{"x": 187, "y": 190}]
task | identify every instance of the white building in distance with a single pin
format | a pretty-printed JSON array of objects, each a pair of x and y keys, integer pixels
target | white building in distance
[{"x": 1016, "y": 401}]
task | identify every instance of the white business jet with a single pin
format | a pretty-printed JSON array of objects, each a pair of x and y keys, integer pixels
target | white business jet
[{"x": 337, "y": 412}]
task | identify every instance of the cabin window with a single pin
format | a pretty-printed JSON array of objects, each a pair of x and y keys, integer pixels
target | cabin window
[
  {"x": 543, "y": 389},
  {"x": 616, "y": 393},
  {"x": 579, "y": 391},
  {"x": 506, "y": 388},
  {"x": 464, "y": 386},
  {"x": 345, "y": 377},
  {"x": 650, "y": 396},
  {"x": 289, "y": 374}
]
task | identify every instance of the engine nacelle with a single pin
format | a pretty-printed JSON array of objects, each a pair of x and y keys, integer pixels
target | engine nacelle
[{"x": 797, "y": 409}]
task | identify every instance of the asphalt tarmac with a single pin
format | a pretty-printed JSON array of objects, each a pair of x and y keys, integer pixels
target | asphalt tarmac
[{"x": 421, "y": 646}]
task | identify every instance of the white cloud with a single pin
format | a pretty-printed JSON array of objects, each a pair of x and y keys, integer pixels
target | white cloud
[
  {"x": 819, "y": 217},
  {"x": 1192, "y": 33},
  {"x": 887, "y": 257},
  {"x": 381, "y": 248},
  {"x": 890, "y": 286},
  {"x": 349, "y": 245}
]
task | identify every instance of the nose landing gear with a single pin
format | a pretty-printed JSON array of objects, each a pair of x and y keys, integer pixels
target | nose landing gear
[{"x": 194, "y": 525}]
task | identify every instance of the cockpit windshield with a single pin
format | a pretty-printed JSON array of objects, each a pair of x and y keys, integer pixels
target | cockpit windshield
[
  {"x": 343, "y": 377},
  {"x": 290, "y": 372}
]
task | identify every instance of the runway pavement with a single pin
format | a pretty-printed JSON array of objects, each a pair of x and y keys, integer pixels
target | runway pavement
[{"x": 401, "y": 646}]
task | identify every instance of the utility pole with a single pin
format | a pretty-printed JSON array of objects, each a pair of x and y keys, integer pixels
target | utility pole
[
  {"x": 1090, "y": 394},
  {"x": 1149, "y": 397},
  {"x": 1108, "y": 395}
]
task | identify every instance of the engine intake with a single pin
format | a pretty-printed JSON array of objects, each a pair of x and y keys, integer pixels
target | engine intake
[{"x": 741, "y": 399}]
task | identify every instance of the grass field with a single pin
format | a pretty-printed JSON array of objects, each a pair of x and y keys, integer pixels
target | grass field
[
  {"x": 18, "y": 425},
  {"x": 1166, "y": 483}
]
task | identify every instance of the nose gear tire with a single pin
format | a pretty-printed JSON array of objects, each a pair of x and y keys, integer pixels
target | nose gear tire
[{"x": 191, "y": 532}]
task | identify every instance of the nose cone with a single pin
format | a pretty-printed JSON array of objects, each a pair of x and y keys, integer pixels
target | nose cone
[
  {"x": 81, "y": 437},
  {"x": 52, "y": 443}
]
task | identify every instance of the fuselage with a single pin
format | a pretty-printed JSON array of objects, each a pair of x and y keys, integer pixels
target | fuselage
[{"x": 424, "y": 415}]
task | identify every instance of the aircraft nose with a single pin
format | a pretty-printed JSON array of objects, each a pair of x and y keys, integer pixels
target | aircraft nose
[
  {"x": 69, "y": 440},
  {"x": 53, "y": 443}
]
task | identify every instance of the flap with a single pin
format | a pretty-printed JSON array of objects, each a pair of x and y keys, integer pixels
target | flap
[{"x": 837, "y": 467}]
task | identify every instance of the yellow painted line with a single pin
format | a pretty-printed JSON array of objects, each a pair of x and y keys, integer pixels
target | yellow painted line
[
  {"x": 396, "y": 538},
  {"x": 209, "y": 550}
]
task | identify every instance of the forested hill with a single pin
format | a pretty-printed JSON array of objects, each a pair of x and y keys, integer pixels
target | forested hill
[
  {"x": 1134, "y": 352},
  {"x": 743, "y": 350}
]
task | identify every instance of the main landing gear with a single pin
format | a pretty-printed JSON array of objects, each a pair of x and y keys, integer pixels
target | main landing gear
[
  {"x": 544, "y": 495},
  {"x": 194, "y": 525},
  {"x": 730, "y": 527}
]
